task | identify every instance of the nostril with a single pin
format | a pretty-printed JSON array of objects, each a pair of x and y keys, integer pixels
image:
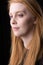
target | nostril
[{"x": 14, "y": 22}]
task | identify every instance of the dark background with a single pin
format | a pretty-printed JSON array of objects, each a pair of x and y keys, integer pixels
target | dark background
[{"x": 5, "y": 32}]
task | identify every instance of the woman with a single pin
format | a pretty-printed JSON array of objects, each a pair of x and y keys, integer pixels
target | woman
[{"x": 26, "y": 31}]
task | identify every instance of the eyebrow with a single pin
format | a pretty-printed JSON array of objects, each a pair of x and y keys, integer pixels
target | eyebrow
[
  {"x": 21, "y": 11},
  {"x": 18, "y": 12}
]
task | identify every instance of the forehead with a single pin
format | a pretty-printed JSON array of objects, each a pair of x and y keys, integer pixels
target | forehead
[{"x": 16, "y": 7}]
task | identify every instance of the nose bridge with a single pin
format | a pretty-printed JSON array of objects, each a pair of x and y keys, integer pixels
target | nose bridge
[{"x": 14, "y": 20}]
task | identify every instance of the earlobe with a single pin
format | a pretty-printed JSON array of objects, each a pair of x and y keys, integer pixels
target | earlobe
[{"x": 34, "y": 19}]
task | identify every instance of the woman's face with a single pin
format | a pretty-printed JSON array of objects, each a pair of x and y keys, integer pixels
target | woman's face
[{"x": 21, "y": 19}]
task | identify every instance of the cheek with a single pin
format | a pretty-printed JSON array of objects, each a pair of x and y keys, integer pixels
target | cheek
[
  {"x": 25, "y": 22},
  {"x": 29, "y": 22}
]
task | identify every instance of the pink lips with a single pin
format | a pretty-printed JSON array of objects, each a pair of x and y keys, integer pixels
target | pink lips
[{"x": 15, "y": 28}]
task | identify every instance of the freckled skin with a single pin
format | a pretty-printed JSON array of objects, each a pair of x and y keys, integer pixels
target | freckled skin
[{"x": 20, "y": 17}]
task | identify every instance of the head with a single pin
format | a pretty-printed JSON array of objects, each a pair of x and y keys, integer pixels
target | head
[
  {"x": 24, "y": 16},
  {"x": 21, "y": 19}
]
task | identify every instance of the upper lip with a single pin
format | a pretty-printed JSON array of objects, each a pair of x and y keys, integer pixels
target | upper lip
[{"x": 15, "y": 27}]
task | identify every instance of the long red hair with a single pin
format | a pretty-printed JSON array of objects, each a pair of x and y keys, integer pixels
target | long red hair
[{"x": 17, "y": 47}]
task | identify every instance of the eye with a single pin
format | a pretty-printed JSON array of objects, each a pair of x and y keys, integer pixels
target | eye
[{"x": 21, "y": 15}]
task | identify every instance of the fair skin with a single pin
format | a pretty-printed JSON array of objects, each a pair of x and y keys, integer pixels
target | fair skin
[{"x": 21, "y": 21}]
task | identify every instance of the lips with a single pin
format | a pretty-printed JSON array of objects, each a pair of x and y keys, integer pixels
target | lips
[{"x": 15, "y": 28}]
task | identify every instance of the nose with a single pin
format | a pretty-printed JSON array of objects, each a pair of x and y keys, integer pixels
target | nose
[{"x": 14, "y": 21}]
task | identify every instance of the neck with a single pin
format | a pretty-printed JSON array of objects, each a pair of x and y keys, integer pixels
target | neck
[{"x": 26, "y": 39}]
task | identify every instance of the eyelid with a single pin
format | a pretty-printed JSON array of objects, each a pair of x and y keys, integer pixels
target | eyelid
[{"x": 20, "y": 13}]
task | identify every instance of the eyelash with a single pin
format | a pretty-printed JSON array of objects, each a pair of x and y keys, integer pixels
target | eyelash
[{"x": 20, "y": 15}]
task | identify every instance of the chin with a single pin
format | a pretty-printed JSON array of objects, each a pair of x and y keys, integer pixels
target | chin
[{"x": 17, "y": 35}]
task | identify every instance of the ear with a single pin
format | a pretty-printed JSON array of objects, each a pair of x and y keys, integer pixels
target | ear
[{"x": 34, "y": 19}]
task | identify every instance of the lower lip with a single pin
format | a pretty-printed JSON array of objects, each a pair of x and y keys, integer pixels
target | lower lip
[{"x": 15, "y": 29}]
